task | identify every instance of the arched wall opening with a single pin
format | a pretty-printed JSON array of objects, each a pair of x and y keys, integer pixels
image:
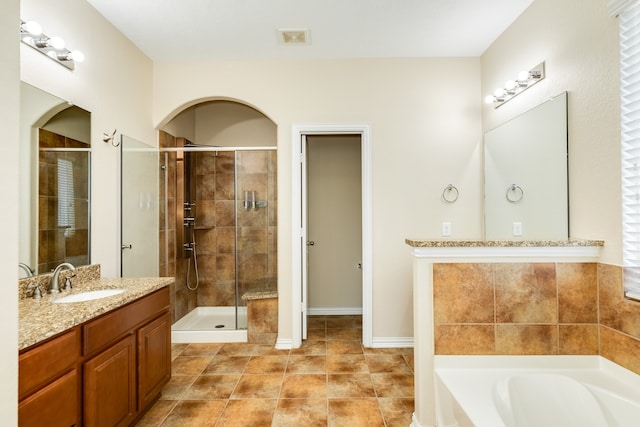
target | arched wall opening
[{"x": 218, "y": 228}]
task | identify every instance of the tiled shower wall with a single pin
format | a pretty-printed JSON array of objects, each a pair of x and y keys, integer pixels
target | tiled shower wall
[
  {"x": 535, "y": 308},
  {"x": 216, "y": 220}
]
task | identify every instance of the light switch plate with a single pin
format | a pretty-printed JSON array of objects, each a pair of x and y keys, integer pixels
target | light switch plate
[
  {"x": 446, "y": 229},
  {"x": 517, "y": 229}
]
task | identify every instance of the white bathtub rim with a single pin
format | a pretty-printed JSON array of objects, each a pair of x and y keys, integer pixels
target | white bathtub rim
[{"x": 466, "y": 381}]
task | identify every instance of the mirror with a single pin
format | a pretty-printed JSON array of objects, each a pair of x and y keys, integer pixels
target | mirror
[
  {"x": 526, "y": 175},
  {"x": 54, "y": 182}
]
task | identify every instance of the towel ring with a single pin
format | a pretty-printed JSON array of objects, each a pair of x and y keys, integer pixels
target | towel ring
[
  {"x": 514, "y": 194},
  {"x": 450, "y": 194}
]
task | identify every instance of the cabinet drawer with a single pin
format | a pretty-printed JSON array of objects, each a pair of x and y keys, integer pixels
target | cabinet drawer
[
  {"x": 55, "y": 405},
  {"x": 47, "y": 361},
  {"x": 106, "y": 329}
]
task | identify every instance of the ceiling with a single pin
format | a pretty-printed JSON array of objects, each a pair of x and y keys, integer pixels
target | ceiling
[{"x": 193, "y": 30}]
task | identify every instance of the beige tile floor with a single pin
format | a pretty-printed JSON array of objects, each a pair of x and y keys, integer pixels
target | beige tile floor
[{"x": 332, "y": 380}]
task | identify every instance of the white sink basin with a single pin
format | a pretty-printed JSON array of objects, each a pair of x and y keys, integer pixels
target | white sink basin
[{"x": 89, "y": 295}]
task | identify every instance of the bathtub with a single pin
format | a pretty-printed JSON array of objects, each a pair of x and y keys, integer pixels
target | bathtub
[{"x": 534, "y": 391}]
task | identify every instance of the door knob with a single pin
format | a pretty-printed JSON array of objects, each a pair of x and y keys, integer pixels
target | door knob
[
  {"x": 311, "y": 243},
  {"x": 126, "y": 247}
]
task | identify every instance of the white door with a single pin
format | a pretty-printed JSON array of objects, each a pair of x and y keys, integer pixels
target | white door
[
  {"x": 139, "y": 175},
  {"x": 304, "y": 242}
]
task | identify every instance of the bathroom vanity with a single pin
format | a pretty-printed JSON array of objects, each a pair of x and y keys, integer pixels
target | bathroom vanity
[{"x": 108, "y": 364}]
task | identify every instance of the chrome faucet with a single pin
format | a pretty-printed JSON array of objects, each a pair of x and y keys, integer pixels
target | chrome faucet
[{"x": 54, "y": 286}]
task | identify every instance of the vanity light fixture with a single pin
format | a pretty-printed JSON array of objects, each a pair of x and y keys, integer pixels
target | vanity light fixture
[
  {"x": 513, "y": 88},
  {"x": 54, "y": 47}
]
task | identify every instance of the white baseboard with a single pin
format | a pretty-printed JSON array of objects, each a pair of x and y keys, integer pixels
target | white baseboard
[
  {"x": 392, "y": 342},
  {"x": 339, "y": 311},
  {"x": 284, "y": 344}
]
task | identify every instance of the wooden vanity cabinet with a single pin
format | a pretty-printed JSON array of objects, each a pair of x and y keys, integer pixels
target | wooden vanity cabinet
[
  {"x": 128, "y": 360},
  {"x": 105, "y": 372}
]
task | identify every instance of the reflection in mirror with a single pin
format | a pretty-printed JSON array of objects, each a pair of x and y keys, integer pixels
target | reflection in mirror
[
  {"x": 526, "y": 181},
  {"x": 54, "y": 182}
]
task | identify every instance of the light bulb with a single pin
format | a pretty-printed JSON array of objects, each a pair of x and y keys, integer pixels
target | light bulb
[
  {"x": 77, "y": 56},
  {"x": 510, "y": 84},
  {"x": 56, "y": 42},
  {"x": 489, "y": 99},
  {"x": 499, "y": 92},
  {"x": 32, "y": 27},
  {"x": 523, "y": 76}
]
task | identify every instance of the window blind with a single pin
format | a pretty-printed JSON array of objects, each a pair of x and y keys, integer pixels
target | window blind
[
  {"x": 616, "y": 7},
  {"x": 629, "y": 20},
  {"x": 66, "y": 208}
]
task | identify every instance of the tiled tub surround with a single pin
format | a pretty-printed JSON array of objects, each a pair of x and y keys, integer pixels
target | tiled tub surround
[
  {"x": 535, "y": 309},
  {"x": 515, "y": 308},
  {"x": 39, "y": 319},
  {"x": 514, "y": 297}
]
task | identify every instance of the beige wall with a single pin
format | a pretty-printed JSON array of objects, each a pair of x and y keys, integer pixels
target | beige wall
[
  {"x": 579, "y": 43},
  {"x": 231, "y": 124},
  {"x": 113, "y": 83},
  {"x": 9, "y": 123},
  {"x": 425, "y": 121}
]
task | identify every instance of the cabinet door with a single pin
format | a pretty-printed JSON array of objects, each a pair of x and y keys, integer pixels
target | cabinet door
[
  {"x": 56, "y": 405},
  {"x": 154, "y": 359},
  {"x": 110, "y": 386}
]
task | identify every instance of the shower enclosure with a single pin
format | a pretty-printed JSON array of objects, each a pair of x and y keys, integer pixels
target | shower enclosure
[{"x": 217, "y": 234}]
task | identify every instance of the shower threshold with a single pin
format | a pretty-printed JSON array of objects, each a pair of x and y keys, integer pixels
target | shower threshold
[{"x": 210, "y": 325}]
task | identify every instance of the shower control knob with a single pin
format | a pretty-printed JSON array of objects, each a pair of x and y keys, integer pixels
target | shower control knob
[{"x": 311, "y": 243}]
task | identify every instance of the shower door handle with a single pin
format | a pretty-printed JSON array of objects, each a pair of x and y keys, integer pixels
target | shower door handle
[{"x": 311, "y": 243}]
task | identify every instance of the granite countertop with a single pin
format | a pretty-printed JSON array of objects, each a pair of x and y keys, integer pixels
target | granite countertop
[
  {"x": 39, "y": 319},
  {"x": 425, "y": 243},
  {"x": 260, "y": 294}
]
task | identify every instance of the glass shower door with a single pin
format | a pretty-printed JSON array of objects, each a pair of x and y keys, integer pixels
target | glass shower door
[{"x": 139, "y": 209}]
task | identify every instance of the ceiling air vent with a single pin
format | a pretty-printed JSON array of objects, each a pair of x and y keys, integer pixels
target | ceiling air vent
[{"x": 294, "y": 36}]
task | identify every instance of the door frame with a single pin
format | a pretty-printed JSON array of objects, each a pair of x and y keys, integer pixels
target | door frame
[{"x": 298, "y": 233}]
